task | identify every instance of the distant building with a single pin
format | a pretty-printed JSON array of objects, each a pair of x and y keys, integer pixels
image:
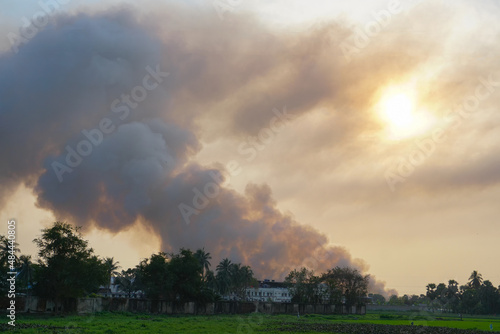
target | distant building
[
  {"x": 114, "y": 291},
  {"x": 269, "y": 291}
]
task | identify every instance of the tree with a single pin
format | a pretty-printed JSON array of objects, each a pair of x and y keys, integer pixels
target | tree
[
  {"x": 475, "y": 280},
  {"x": 241, "y": 278},
  {"x": 126, "y": 281},
  {"x": 173, "y": 277},
  {"x": 25, "y": 273},
  {"x": 111, "y": 267},
  {"x": 203, "y": 258},
  {"x": 377, "y": 299},
  {"x": 348, "y": 283},
  {"x": 489, "y": 298},
  {"x": 440, "y": 293},
  {"x": 67, "y": 267},
  {"x": 154, "y": 277},
  {"x": 431, "y": 293},
  {"x": 223, "y": 276},
  {"x": 6, "y": 249},
  {"x": 469, "y": 299},
  {"x": 452, "y": 295},
  {"x": 186, "y": 275},
  {"x": 394, "y": 300},
  {"x": 303, "y": 286},
  {"x": 211, "y": 281},
  {"x": 475, "y": 297},
  {"x": 8, "y": 257}
]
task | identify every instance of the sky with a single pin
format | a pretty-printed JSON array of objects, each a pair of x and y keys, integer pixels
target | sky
[{"x": 279, "y": 134}]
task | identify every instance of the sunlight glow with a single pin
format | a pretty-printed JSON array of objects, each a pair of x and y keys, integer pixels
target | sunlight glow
[{"x": 398, "y": 110}]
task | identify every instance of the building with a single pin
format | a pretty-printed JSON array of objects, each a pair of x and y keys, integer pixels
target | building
[
  {"x": 114, "y": 291},
  {"x": 269, "y": 291}
]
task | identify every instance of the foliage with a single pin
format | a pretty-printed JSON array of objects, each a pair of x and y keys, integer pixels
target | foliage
[
  {"x": 303, "y": 286},
  {"x": 67, "y": 267},
  {"x": 203, "y": 259},
  {"x": 153, "y": 276},
  {"x": 127, "y": 281},
  {"x": 340, "y": 285},
  {"x": 111, "y": 269},
  {"x": 231, "y": 278},
  {"x": 174, "y": 277},
  {"x": 346, "y": 283},
  {"x": 478, "y": 296}
]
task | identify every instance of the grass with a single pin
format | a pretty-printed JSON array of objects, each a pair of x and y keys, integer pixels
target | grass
[{"x": 253, "y": 323}]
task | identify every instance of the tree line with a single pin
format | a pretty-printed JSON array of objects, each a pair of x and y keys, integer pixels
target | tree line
[
  {"x": 68, "y": 268},
  {"x": 477, "y": 296},
  {"x": 338, "y": 286}
]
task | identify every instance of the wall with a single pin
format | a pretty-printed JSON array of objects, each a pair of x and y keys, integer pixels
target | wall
[
  {"x": 91, "y": 305},
  {"x": 398, "y": 308}
]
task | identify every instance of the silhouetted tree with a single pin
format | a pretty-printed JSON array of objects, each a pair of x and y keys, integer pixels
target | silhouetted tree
[
  {"x": 475, "y": 280},
  {"x": 431, "y": 292},
  {"x": 348, "y": 283},
  {"x": 306, "y": 287},
  {"x": 67, "y": 267},
  {"x": 223, "y": 276},
  {"x": 204, "y": 260},
  {"x": 111, "y": 267},
  {"x": 154, "y": 277},
  {"x": 127, "y": 282}
]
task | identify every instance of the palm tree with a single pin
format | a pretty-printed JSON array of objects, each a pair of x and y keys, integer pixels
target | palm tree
[
  {"x": 242, "y": 277},
  {"x": 224, "y": 276},
  {"x": 126, "y": 281},
  {"x": 211, "y": 281},
  {"x": 111, "y": 267},
  {"x": 26, "y": 272},
  {"x": 452, "y": 290},
  {"x": 6, "y": 250},
  {"x": 431, "y": 293},
  {"x": 475, "y": 280},
  {"x": 203, "y": 257},
  {"x": 26, "y": 269}
]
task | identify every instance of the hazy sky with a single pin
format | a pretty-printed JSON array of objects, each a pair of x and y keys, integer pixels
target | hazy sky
[{"x": 360, "y": 133}]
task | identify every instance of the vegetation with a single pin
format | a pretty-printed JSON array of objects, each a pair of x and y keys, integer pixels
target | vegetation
[
  {"x": 375, "y": 323},
  {"x": 67, "y": 267},
  {"x": 337, "y": 286},
  {"x": 7, "y": 256},
  {"x": 477, "y": 296}
]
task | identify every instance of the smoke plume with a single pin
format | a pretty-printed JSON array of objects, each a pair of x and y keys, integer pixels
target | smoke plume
[{"x": 102, "y": 116}]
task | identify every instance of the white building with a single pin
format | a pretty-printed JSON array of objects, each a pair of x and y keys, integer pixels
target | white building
[
  {"x": 277, "y": 294},
  {"x": 269, "y": 291}
]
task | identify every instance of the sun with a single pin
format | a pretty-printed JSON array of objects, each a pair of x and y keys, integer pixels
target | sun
[{"x": 398, "y": 111}]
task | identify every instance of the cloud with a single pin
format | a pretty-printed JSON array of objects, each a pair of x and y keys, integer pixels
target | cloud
[{"x": 93, "y": 161}]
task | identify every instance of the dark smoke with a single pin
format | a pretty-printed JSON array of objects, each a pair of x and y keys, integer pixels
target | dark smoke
[{"x": 63, "y": 83}]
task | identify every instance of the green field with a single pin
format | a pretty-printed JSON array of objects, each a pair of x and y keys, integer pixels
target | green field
[{"x": 372, "y": 323}]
